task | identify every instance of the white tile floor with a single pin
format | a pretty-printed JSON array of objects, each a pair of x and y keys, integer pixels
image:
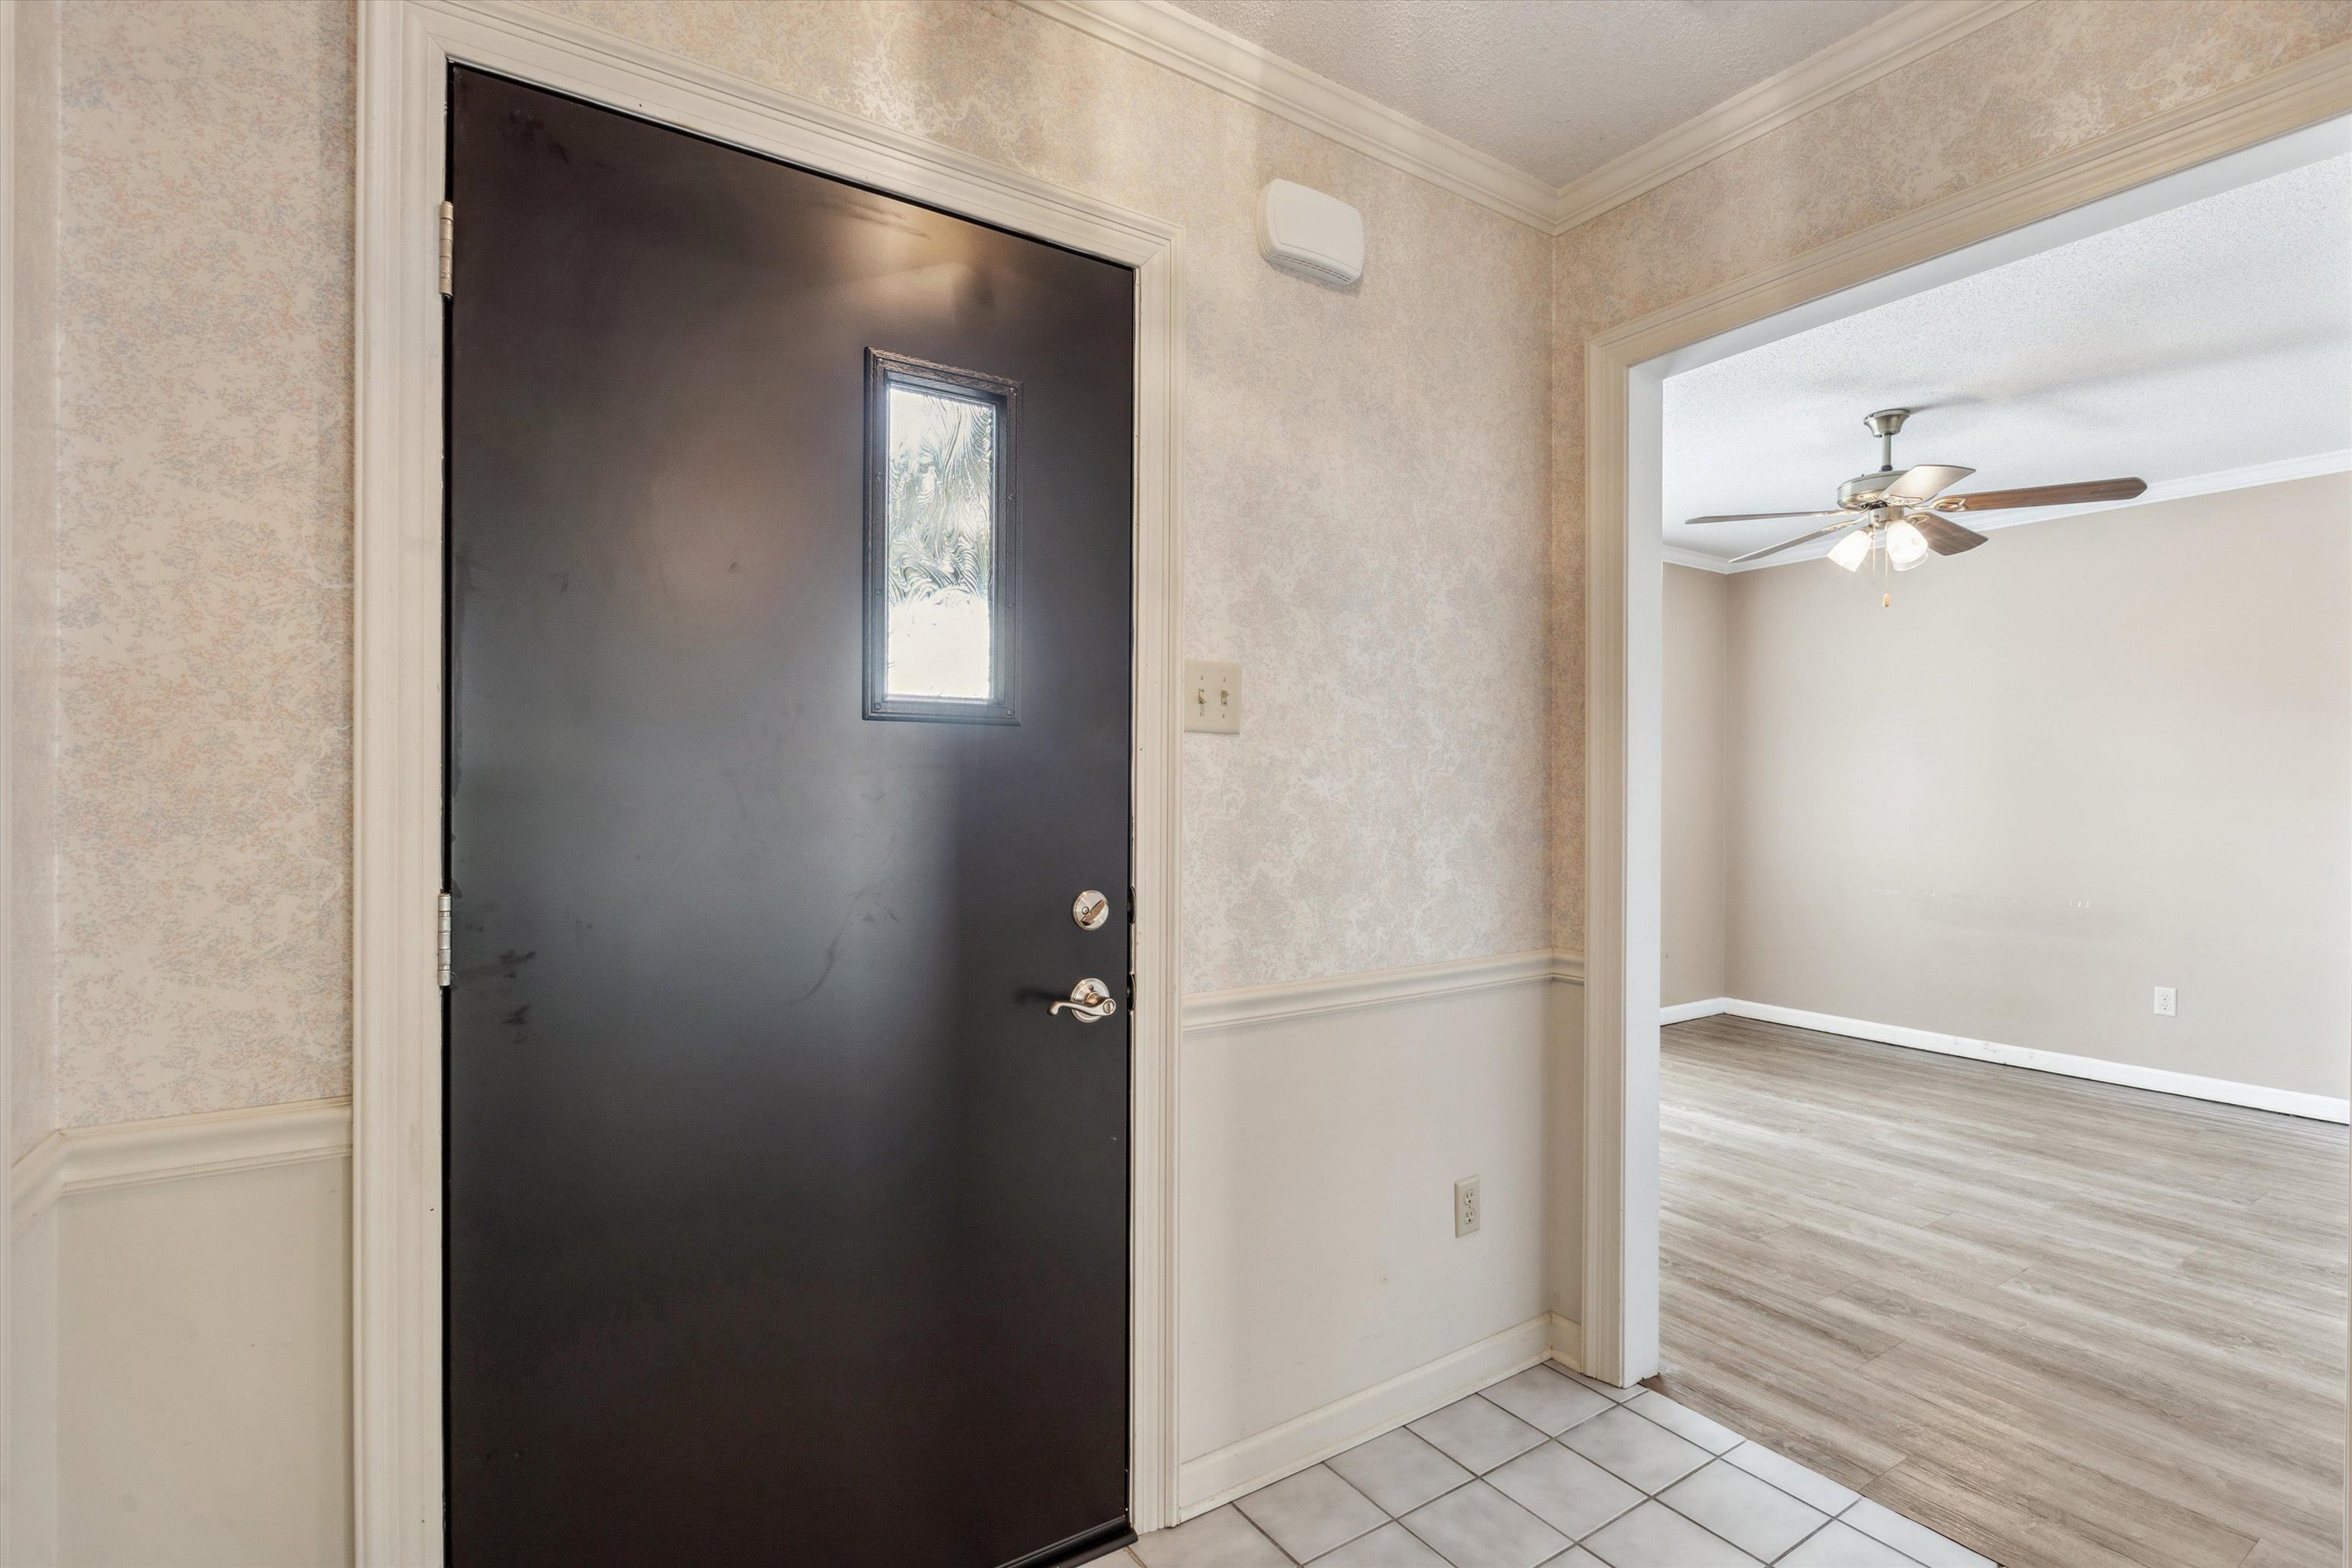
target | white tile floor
[{"x": 1545, "y": 1470}]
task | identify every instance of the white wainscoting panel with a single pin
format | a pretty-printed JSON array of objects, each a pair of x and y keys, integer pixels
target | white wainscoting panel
[
  {"x": 202, "y": 1314},
  {"x": 204, "y": 1368},
  {"x": 2258, "y": 1097},
  {"x": 32, "y": 1410},
  {"x": 181, "y": 1342},
  {"x": 1325, "y": 1297},
  {"x": 1240, "y": 1468}
]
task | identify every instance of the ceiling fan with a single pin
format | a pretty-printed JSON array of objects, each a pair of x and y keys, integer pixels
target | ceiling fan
[{"x": 1904, "y": 515}]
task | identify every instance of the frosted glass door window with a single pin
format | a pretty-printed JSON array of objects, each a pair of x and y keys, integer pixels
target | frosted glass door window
[
  {"x": 939, "y": 525},
  {"x": 941, "y": 530}
]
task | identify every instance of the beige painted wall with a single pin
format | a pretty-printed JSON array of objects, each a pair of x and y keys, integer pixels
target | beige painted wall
[
  {"x": 1696, "y": 843},
  {"x": 2099, "y": 755}
]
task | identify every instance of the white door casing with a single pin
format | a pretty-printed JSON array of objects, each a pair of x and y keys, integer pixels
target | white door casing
[
  {"x": 405, "y": 50},
  {"x": 1624, "y": 372}
]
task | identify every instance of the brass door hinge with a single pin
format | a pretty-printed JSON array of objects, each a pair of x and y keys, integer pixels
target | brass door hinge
[{"x": 448, "y": 248}]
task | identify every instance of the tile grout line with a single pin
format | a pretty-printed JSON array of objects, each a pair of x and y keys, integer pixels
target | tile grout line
[{"x": 1558, "y": 1439}]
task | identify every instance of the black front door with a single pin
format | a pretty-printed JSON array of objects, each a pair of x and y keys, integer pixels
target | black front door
[{"x": 788, "y": 718}]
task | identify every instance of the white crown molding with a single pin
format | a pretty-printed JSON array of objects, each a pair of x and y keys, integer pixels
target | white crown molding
[
  {"x": 1249, "y": 1004},
  {"x": 2285, "y": 471},
  {"x": 1206, "y": 53},
  {"x": 1160, "y": 32},
  {"x": 2095, "y": 1069},
  {"x": 1887, "y": 46},
  {"x": 1697, "y": 560},
  {"x": 126, "y": 1154}
]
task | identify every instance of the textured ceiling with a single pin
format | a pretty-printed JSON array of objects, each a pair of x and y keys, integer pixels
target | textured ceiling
[
  {"x": 1556, "y": 87},
  {"x": 2213, "y": 337}
]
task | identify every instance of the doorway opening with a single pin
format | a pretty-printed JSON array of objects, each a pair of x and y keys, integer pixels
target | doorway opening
[{"x": 1954, "y": 1201}]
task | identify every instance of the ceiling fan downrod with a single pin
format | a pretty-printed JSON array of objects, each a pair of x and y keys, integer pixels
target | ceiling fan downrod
[{"x": 1883, "y": 424}]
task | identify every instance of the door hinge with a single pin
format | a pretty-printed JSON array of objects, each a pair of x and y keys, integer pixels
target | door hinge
[
  {"x": 444, "y": 939},
  {"x": 449, "y": 250}
]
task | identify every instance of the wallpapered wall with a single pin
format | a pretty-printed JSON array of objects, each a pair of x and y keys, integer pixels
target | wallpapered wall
[
  {"x": 2034, "y": 84},
  {"x": 1365, "y": 516},
  {"x": 1372, "y": 510},
  {"x": 204, "y": 557},
  {"x": 33, "y": 583}
]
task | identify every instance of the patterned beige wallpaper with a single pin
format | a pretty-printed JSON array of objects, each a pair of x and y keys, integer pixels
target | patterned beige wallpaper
[
  {"x": 1363, "y": 473},
  {"x": 33, "y": 585},
  {"x": 203, "y": 556},
  {"x": 1376, "y": 525},
  {"x": 2038, "y": 82},
  {"x": 1366, "y": 517}
]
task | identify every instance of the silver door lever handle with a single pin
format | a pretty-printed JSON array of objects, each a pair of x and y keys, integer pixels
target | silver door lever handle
[{"x": 1090, "y": 1000}]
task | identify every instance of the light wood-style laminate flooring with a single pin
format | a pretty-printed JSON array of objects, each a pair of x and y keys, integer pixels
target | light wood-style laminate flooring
[{"x": 2067, "y": 1324}]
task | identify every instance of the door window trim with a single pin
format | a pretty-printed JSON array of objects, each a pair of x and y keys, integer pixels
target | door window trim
[{"x": 884, "y": 371}]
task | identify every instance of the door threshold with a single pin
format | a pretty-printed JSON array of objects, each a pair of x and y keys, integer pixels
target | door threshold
[{"x": 1084, "y": 1547}]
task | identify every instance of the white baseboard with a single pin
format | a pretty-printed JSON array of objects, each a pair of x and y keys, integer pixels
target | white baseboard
[
  {"x": 1567, "y": 1342},
  {"x": 1241, "y": 1467},
  {"x": 124, "y": 1153},
  {"x": 2221, "y": 1091}
]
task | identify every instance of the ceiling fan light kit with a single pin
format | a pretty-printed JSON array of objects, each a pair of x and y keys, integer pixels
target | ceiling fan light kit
[{"x": 1904, "y": 512}]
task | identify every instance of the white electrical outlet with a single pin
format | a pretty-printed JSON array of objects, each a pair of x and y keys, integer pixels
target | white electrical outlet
[
  {"x": 1213, "y": 697},
  {"x": 1466, "y": 1206},
  {"x": 2167, "y": 1004}
]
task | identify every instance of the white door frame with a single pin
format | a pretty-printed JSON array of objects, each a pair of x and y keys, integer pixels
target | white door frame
[
  {"x": 1623, "y": 463},
  {"x": 405, "y": 47}
]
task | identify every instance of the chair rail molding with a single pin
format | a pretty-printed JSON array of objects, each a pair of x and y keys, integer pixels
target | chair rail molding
[
  {"x": 169, "y": 1148},
  {"x": 1621, "y": 459},
  {"x": 405, "y": 47},
  {"x": 1248, "y": 1004}
]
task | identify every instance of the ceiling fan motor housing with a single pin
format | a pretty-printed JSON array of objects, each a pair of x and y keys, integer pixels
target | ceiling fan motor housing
[{"x": 1863, "y": 489}]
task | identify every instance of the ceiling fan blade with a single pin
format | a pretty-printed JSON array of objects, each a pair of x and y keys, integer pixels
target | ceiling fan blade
[
  {"x": 2045, "y": 495},
  {"x": 1763, "y": 516},
  {"x": 1944, "y": 537},
  {"x": 1927, "y": 479},
  {"x": 1790, "y": 544}
]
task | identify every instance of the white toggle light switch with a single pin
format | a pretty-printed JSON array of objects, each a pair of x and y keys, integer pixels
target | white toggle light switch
[{"x": 1213, "y": 697}]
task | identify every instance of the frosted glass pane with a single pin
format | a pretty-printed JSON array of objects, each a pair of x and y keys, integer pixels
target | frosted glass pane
[{"x": 940, "y": 520}]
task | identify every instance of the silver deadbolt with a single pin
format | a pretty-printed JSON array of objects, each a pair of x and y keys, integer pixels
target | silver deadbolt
[
  {"x": 1091, "y": 1001},
  {"x": 1090, "y": 909}
]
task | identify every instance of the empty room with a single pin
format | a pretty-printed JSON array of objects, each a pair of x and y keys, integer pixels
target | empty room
[
  {"x": 2004, "y": 893},
  {"x": 954, "y": 783}
]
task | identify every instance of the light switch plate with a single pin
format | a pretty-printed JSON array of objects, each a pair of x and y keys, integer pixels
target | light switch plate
[{"x": 1213, "y": 697}]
